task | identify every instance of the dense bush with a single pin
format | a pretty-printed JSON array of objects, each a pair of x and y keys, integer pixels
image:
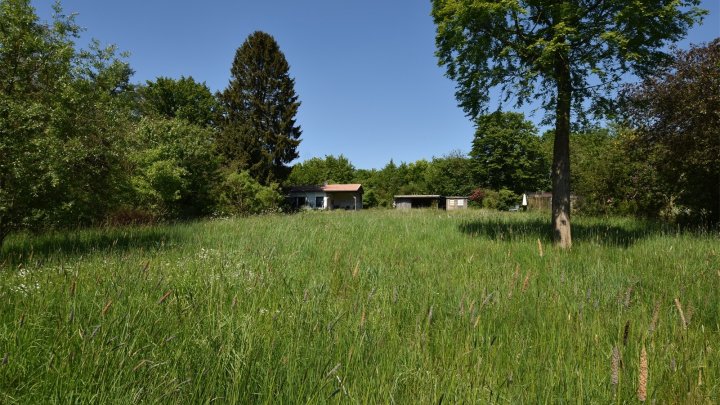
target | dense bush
[
  {"x": 501, "y": 200},
  {"x": 174, "y": 168},
  {"x": 240, "y": 194}
]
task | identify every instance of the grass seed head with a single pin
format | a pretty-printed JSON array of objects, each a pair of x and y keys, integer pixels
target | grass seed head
[
  {"x": 615, "y": 366},
  {"x": 655, "y": 317},
  {"x": 164, "y": 297},
  {"x": 643, "y": 376},
  {"x": 678, "y": 305},
  {"x": 628, "y": 297},
  {"x": 106, "y": 308},
  {"x": 540, "y": 248},
  {"x": 526, "y": 282}
]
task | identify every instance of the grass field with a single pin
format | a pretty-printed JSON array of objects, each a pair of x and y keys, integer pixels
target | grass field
[{"x": 375, "y": 306}]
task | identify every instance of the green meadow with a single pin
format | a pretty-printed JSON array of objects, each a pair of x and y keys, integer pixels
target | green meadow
[{"x": 368, "y": 307}]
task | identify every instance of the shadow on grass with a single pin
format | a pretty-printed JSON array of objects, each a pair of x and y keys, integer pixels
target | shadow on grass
[
  {"x": 28, "y": 248},
  {"x": 602, "y": 232}
]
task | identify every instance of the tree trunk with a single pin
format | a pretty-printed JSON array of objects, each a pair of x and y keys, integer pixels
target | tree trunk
[{"x": 561, "y": 155}]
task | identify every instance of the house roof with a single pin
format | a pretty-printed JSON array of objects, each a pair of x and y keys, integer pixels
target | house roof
[
  {"x": 417, "y": 196},
  {"x": 342, "y": 187},
  {"x": 328, "y": 188}
]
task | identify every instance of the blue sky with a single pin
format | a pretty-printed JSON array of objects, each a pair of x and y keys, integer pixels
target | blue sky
[{"x": 365, "y": 71}]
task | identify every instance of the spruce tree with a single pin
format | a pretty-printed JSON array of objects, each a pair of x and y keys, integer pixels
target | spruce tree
[{"x": 259, "y": 132}]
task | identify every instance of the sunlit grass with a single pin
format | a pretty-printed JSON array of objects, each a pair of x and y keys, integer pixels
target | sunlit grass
[{"x": 375, "y": 306}]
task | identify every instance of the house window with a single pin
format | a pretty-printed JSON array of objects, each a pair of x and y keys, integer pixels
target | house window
[
  {"x": 319, "y": 202},
  {"x": 460, "y": 203},
  {"x": 300, "y": 202}
]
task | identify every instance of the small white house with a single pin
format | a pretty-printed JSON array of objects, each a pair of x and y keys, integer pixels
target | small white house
[{"x": 327, "y": 197}]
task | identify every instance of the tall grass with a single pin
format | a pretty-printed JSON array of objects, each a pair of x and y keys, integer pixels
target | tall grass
[{"x": 375, "y": 306}]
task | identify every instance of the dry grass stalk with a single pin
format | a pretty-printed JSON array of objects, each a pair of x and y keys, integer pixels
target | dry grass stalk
[
  {"x": 234, "y": 301},
  {"x": 655, "y": 317},
  {"x": 526, "y": 282},
  {"x": 643, "y": 376},
  {"x": 336, "y": 258},
  {"x": 106, "y": 308},
  {"x": 626, "y": 333},
  {"x": 689, "y": 313},
  {"x": 430, "y": 314},
  {"x": 514, "y": 280},
  {"x": 356, "y": 270},
  {"x": 140, "y": 364},
  {"x": 333, "y": 371},
  {"x": 164, "y": 297},
  {"x": 700, "y": 380},
  {"x": 615, "y": 370},
  {"x": 678, "y": 305},
  {"x": 72, "y": 288},
  {"x": 540, "y": 248},
  {"x": 362, "y": 318},
  {"x": 628, "y": 297}
]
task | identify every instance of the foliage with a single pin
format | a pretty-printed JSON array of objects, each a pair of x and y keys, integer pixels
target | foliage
[
  {"x": 501, "y": 200},
  {"x": 676, "y": 114},
  {"x": 183, "y": 99},
  {"x": 63, "y": 112},
  {"x": 563, "y": 53},
  {"x": 507, "y": 153},
  {"x": 259, "y": 132},
  {"x": 610, "y": 176},
  {"x": 317, "y": 308},
  {"x": 241, "y": 194},
  {"x": 519, "y": 46},
  {"x": 450, "y": 175},
  {"x": 314, "y": 171},
  {"x": 174, "y": 167},
  {"x": 477, "y": 196}
]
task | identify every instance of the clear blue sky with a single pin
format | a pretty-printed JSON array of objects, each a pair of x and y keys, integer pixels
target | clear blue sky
[{"x": 365, "y": 71}]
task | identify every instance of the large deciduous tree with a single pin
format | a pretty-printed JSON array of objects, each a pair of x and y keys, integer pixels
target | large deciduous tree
[
  {"x": 259, "y": 130},
  {"x": 562, "y": 52},
  {"x": 182, "y": 98},
  {"x": 62, "y": 117},
  {"x": 676, "y": 114},
  {"x": 507, "y": 153},
  {"x": 331, "y": 169}
]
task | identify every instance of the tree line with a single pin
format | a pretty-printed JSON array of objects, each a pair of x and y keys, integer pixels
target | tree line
[{"x": 82, "y": 145}]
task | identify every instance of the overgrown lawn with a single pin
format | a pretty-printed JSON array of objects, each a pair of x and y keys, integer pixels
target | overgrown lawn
[{"x": 375, "y": 306}]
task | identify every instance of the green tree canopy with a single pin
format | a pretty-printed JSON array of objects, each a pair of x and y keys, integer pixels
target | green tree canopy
[
  {"x": 559, "y": 51},
  {"x": 676, "y": 114},
  {"x": 330, "y": 169},
  {"x": 63, "y": 114},
  {"x": 450, "y": 175},
  {"x": 183, "y": 98},
  {"x": 175, "y": 167},
  {"x": 259, "y": 130},
  {"x": 507, "y": 154}
]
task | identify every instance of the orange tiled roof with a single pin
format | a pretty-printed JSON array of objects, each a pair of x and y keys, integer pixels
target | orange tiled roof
[{"x": 342, "y": 187}]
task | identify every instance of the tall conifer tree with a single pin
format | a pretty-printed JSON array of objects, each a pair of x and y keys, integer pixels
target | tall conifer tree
[{"x": 260, "y": 133}]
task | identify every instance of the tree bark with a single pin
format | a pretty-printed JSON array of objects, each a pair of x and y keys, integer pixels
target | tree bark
[{"x": 560, "y": 176}]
